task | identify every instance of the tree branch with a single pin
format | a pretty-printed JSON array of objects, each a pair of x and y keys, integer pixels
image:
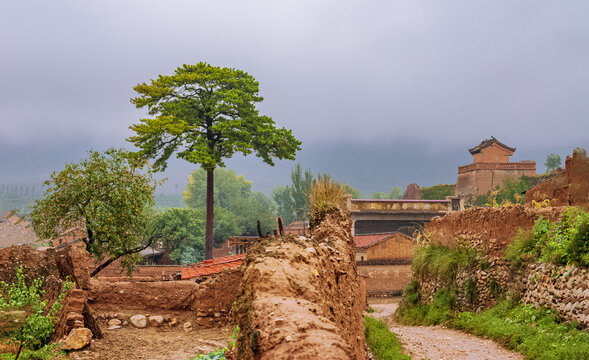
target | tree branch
[{"x": 109, "y": 261}]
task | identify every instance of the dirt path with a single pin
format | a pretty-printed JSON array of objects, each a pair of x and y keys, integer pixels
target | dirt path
[{"x": 437, "y": 343}]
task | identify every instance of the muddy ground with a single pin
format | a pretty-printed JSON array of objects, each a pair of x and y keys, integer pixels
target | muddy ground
[{"x": 154, "y": 344}]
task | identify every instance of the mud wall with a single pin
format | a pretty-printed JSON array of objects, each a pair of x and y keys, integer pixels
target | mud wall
[
  {"x": 567, "y": 188},
  {"x": 301, "y": 298},
  {"x": 565, "y": 289},
  {"x": 486, "y": 229},
  {"x": 210, "y": 300},
  {"x": 385, "y": 280},
  {"x": 113, "y": 272},
  {"x": 54, "y": 266}
]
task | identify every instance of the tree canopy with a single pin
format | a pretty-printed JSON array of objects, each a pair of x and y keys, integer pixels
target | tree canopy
[
  {"x": 552, "y": 162},
  {"x": 293, "y": 200},
  {"x": 206, "y": 114},
  {"x": 109, "y": 195},
  {"x": 395, "y": 193},
  {"x": 238, "y": 208}
]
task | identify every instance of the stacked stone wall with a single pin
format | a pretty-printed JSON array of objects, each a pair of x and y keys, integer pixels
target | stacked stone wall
[{"x": 565, "y": 289}]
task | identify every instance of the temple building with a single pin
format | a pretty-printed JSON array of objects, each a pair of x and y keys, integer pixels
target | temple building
[{"x": 490, "y": 166}]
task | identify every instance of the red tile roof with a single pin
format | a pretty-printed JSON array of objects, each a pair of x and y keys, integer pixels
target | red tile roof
[
  {"x": 369, "y": 239},
  {"x": 212, "y": 266}
]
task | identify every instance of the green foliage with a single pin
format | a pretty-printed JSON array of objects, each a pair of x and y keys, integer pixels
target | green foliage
[
  {"x": 581, "y": 151},
  {"x": 293, "y": 200},
  {"x": 395, "y": 193},
  {"x": 47, "y": 352},
  {"x": 535, "y": 332},
  {"x": 382, "y": 342},
  {"x": 442, "y": 262},
  {"x": 510, "y": 191},
  {"x": 215, "y": 355},
  {"x": 470, "y": 291},
  {"x": 523, "y": 248},
  {"x": 565, "y": 241},
  {"x": 237, "y": 207},
  {"x": 109, "y": 193},
  {"x": 39, "y": 324},
  {"x": 181, "y": 232},
  {"x": 552, "y": 162},
  {"x": 350, "y": 190},
  {"x": 438, "y": 312},
  {"x": 411, "y": 293},
  {"x": 437, "y": 192},
  {"x": 206, "y": 114}
]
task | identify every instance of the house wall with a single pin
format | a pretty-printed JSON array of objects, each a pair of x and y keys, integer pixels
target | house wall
[
  {"x": 477, "y": 179},
  {"x": 385, "y": 280},
  {"x": 493, "y": 154},
  {"x": 396, "y": 247}
]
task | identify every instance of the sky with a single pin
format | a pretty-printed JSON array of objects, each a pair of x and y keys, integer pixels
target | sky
[{"x": 382, "y": 93}]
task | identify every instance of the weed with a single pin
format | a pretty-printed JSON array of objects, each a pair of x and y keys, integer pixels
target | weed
[
  {"x": 495, "y": 288},
  {"x": 325, "y": 195},
  {"x": 470, "y": 291},
  {"x": 442, "y": 262},
  {"x": 380, "y": 340}
]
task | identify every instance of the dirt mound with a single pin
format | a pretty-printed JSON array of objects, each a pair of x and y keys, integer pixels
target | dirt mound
[
  {"x": 571, "y": 187},
  {"x": 54, "y": 266},
  {"x": 492, "y": 228},
  {"x": 300, "y": 298},
  {"x": 412, "y": 192}
]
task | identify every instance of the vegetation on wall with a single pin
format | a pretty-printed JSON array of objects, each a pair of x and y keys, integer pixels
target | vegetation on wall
[
  {"x": 442, "y": 262},
  {"x": 562, "y": 242},
  {"x": 437, "y": 192}
]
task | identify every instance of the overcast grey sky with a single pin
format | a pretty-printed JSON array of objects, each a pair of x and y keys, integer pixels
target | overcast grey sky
[{"x": 412, "y": 84}]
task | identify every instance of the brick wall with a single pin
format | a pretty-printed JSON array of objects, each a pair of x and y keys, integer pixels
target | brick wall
[
  {"x": 399, "y": 246},
  {"x": 385, "y": 279}
]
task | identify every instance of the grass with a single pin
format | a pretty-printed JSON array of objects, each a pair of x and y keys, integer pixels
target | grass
[
  {"x": 436, "y": 313},
  {"x": 442, "y": 262},
  {"x": 536, "y": 333},
  {"x": 48, "y": 352},
  {"x": 325, "y": 196},
  {"x": 381, "y": 341}
]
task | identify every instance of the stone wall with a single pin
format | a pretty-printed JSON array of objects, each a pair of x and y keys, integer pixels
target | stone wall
[{"x": 564, "y": 289}]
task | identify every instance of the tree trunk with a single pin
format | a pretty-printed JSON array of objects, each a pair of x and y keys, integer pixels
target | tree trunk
[{"x": 210, "y": 213}]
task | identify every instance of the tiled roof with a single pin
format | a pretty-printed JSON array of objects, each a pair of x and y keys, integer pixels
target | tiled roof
[
  {"x": 212, "y": 266},
  {"x": 487, "y": 143},
  {"x": 395, "y": 235},
  {"x": 369, "y": 239}
]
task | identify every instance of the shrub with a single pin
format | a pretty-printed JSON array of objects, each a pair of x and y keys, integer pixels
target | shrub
[
  {"x": 325, "y": 195},
  {"x": 39, "y": 324},
  {"x": 565, "y": 241}
]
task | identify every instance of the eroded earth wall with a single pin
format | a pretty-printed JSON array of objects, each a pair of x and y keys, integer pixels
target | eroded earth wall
[{"x": 301, "y": 298}]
